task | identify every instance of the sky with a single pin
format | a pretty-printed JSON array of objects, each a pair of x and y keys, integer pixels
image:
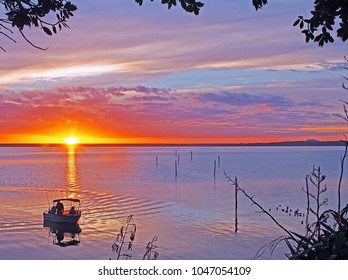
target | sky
[{"x": 128, "y": 74}]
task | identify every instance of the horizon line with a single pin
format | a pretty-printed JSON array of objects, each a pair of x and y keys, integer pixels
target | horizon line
[{"x": 281, "y": 143}]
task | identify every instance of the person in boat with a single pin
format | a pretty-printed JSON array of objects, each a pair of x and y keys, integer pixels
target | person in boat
[
  {"x": 60, "y": 208},
  {"x": 53, "y": 210},
  {"x": 72, "y": 210}
]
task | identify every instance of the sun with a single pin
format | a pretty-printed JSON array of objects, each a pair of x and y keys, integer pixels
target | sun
[{"x": 73, "y": 140}]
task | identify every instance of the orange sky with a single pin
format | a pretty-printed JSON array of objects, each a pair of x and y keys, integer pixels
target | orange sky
[{"x": 151, "y": 115}]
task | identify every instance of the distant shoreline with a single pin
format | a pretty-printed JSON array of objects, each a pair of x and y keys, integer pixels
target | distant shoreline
[{"x": 271, "y": 144}]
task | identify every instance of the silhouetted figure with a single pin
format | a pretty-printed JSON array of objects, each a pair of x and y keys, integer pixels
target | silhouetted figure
[
  {"x": 53, "y": 210},
  {"x": 60, "y": 208},
  {"x": 72, "y": 210}
]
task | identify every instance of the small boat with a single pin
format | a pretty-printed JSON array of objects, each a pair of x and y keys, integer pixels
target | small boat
[{"x": 64, "y": 210}]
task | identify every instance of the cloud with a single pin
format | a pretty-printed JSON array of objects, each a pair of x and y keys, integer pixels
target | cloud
[
  {"x": 334, "y": 65},
  {"x": 133, "y": 45},
  {"x": 244, "y": 99},
  {"x": 140, "y": 112}
]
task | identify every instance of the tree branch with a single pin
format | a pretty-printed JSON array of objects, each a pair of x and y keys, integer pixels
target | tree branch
[
  {"x": 37, "y": 47},
  {"x": 258, "y": 205}
]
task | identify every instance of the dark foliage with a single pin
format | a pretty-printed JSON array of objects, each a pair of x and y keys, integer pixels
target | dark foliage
[
  {"x": 330, "y": 244},
  {"x": 329, "y": 17},
  {"x": 190, "y": 6},
  {"x": 29, "y": 13},
  {"x": 193, "y": 6},
  {"x": 325, "y": 16}
]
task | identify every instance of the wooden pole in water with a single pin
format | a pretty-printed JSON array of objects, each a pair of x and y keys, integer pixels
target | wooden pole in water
[
  {"x": 191, "y": 155},
  {"x": 176, "y": 169},
  {"x": 156, "y": 160},
  {"x": 236, "y": 205},
  {"x": 214, "y": 169},
  {"x": 308, "y": 202},
  {"x": 218, "y": 161}
]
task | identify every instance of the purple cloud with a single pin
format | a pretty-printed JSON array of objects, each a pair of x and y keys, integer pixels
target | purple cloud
[{"x": 243, "y": 99}]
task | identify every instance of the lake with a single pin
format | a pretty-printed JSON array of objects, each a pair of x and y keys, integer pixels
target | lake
[{"x": 178, "y": 195}]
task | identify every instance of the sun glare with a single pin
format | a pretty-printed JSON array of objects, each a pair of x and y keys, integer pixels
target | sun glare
[{"x": 73, "y": 140}]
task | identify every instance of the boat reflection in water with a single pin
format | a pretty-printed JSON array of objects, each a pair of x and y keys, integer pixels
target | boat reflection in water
[{"x": 64, "y": 234}]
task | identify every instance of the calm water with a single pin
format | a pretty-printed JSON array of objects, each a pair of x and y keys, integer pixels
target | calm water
[{"x": 191, "y": 213}]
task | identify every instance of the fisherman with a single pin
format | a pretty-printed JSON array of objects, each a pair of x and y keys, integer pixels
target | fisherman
[
  {"x": 53, "y": 210},
  {"x": 60, "y": 208},
  {"x": 72, "y": 210}
]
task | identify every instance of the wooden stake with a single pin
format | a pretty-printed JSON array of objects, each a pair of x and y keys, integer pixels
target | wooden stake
[
  {"x": 236, "y": 205},
  {"x": 214, "y": 169},
  {"x": 176, "y": 169}
]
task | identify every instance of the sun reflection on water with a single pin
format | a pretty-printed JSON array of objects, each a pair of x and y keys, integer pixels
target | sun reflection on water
[{"x": 72, "y": 178}]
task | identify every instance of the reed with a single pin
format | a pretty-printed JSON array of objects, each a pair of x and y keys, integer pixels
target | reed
[
  {"x": 308, "y": 202},
  {"x": 126, "y": 236},
  {"x": 151, "y": 253}
]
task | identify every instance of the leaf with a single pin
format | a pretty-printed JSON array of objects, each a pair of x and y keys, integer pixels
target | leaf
[
  {"x": 291, "y": 248},
  {"x": 72, "y": 8},
  {"x": 258, "y": 4},
  {"x": 296, "y": 22},
  {"x": 47, "y": 30},
  {"x": 328, "y": 228},
  {"x": 331, "y": 39},
  {"x": 189, "y": 9},
  {"x": 301, "y": 237},
  {"x": 328, "y": 26}
]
